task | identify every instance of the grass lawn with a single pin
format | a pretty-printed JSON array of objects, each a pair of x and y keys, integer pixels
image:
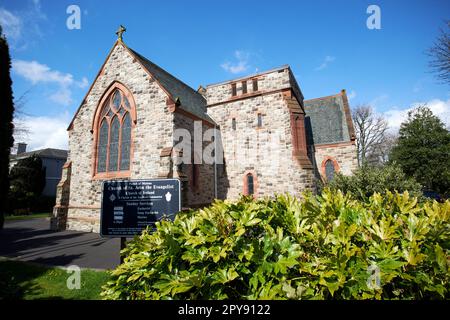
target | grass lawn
[
  {"x": 27, "y": 216},
  {"x": 20, "y": 280}
]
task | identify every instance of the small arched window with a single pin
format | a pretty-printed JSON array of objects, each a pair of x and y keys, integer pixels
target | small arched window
[
  {"x": 329, "y": 169},
  {"x": 113, "y": 134},
  {"x": 250, "y": 184}
]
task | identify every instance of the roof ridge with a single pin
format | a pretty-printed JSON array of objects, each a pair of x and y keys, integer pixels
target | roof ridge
[
  {"x": 325, "y": 97},
  {"x": 166, "y": 72}
]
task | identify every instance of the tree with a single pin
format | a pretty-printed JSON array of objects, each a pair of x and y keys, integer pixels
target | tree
[
  {"x": 369, "y": 179},
  {"x": 27, "y": 182},
  {"x": 423, "y": 150},
  {"x": 370, "y": 131},
  {"x": 6, "y": 122},
  {"x": 21, "y": 131},
  {"x": 439, "y": 54},
  {"x": 380, "y": 153}
]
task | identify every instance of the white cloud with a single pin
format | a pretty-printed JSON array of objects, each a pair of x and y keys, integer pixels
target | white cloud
[
  {"x": 83, "y": 83},
  {"x": 63, "y": 96},
  {"x": 23, "y": 27},
  {"x": 11, "y": 24},
  {"x": 326, "y": 62},
  {"x": 241, "y": 65},
  {"x": 352, "y": 95},
  {"x": 36, "y": 73},
  {"x": 439, "y": 108},
  {"x": 376, "y": 103},
  {"x": 45, "y": 131}
]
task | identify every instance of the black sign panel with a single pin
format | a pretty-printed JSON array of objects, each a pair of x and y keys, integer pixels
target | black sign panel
[{"x": 129, "y": 206}]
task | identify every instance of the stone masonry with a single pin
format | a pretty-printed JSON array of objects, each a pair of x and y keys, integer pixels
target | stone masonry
[{"x": 260, "y": 122}]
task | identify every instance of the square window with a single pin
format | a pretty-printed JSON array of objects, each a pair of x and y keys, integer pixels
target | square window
[
  {"x": 244, "y": 87},
  {"x": 233, "y": 89},
  {"x": 255, "y": 84}
]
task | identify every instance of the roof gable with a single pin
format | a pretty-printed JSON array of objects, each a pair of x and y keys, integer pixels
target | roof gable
[
  {"x": 190, "y": 100},
  {"x": 328, "y": 120}
]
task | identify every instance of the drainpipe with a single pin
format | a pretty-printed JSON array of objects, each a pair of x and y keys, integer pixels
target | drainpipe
[{"x": 215, "y": 156}]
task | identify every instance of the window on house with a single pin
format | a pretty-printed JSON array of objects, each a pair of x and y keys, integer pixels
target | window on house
[
  {"x": 255, "y": 84},
  {"x": 250, "y": 184},
  {"x": 233, "y": 124},
  {"x": 114, "y": 134},
  {"x": 233, "y": 89},
  {"x": 244, "y": 87},
  {"x": 329, "y": 170},
  {"x": 259, "y": 120}
]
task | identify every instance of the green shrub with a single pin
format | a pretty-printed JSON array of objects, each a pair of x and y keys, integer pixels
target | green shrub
[
  {"x": 367, "y": 180},
  {"x": 321, "y": 247}
]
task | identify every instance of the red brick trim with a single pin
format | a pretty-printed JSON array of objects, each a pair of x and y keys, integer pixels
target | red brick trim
[
  {"x": 348, "y": 116},
  {"x": 248, "y": 95},
  {"x": 81, "y": 207},
  {"x": 322, "y": 166},
  {"x": 68, "y": 164},
  {"x": 255, "y": 183}
]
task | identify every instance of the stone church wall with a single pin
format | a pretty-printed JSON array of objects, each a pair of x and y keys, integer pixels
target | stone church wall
[
  {"x": 202, "y": 192},
  {"x": 153, "y": 132},
  {"x": 265, "y": 151},
  {"x": 343, "y": 154}
]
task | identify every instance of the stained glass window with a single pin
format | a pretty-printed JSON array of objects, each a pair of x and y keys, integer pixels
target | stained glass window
[
  {"x": 102, "y": 146},
  {"x": 116, "y": 100},
  {"x": 126, "y": 141},
  {"x": 329, "y": 170},
  {"x": 114, "y": 134},
  {"x": 126, "y": 103},
  {"x": 114, "y": 145}
]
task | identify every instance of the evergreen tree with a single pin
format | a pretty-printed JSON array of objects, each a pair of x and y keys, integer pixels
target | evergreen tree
[
  {"x": 423, "y": 150},
  {"x": 6, "y": 124},
  {"x": 27, "y": 179}
]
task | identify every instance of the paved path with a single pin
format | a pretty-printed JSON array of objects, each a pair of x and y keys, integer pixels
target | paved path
[{"x": 32, "y": 240}]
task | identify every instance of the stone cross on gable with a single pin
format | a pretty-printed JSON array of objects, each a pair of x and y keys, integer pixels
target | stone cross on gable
[{"x": 120, "y": 31}]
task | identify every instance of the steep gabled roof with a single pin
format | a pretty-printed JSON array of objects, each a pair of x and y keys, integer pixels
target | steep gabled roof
[
  {"x": 328, "y": 120},
  {"x": 190, "y": 100}
]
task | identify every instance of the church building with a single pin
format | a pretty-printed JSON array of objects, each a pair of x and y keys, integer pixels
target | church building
[{"x": 264, "y": 136}]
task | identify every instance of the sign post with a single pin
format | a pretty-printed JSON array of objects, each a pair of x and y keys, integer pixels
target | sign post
[{"x": 130, "y": 206}]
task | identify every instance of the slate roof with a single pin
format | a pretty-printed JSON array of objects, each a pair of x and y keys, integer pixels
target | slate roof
[
  {"x": 191, "y": 101},
  {"x": 43, "y": 153},
  {"x": 328, "y": 120}
]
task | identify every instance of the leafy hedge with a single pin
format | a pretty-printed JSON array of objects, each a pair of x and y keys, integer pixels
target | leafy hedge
[
  {"x": 320, "y": 247},
  {"x": 367, "y": 180}
]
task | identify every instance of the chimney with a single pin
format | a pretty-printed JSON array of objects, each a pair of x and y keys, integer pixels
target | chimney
[{"x": 21, "y": 148}]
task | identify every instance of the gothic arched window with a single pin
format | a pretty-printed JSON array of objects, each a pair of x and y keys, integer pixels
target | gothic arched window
[
  {"x": 329, "y": 168},
  {"x": 112, "y": 127}
]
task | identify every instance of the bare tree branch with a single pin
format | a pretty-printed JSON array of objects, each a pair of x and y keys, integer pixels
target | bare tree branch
[
  {"x": 370, "y": 131},
  {"x": 440, "y": 55}
]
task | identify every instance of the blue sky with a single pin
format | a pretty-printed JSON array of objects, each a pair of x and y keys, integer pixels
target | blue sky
[{"x": 326, "y": 43}]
